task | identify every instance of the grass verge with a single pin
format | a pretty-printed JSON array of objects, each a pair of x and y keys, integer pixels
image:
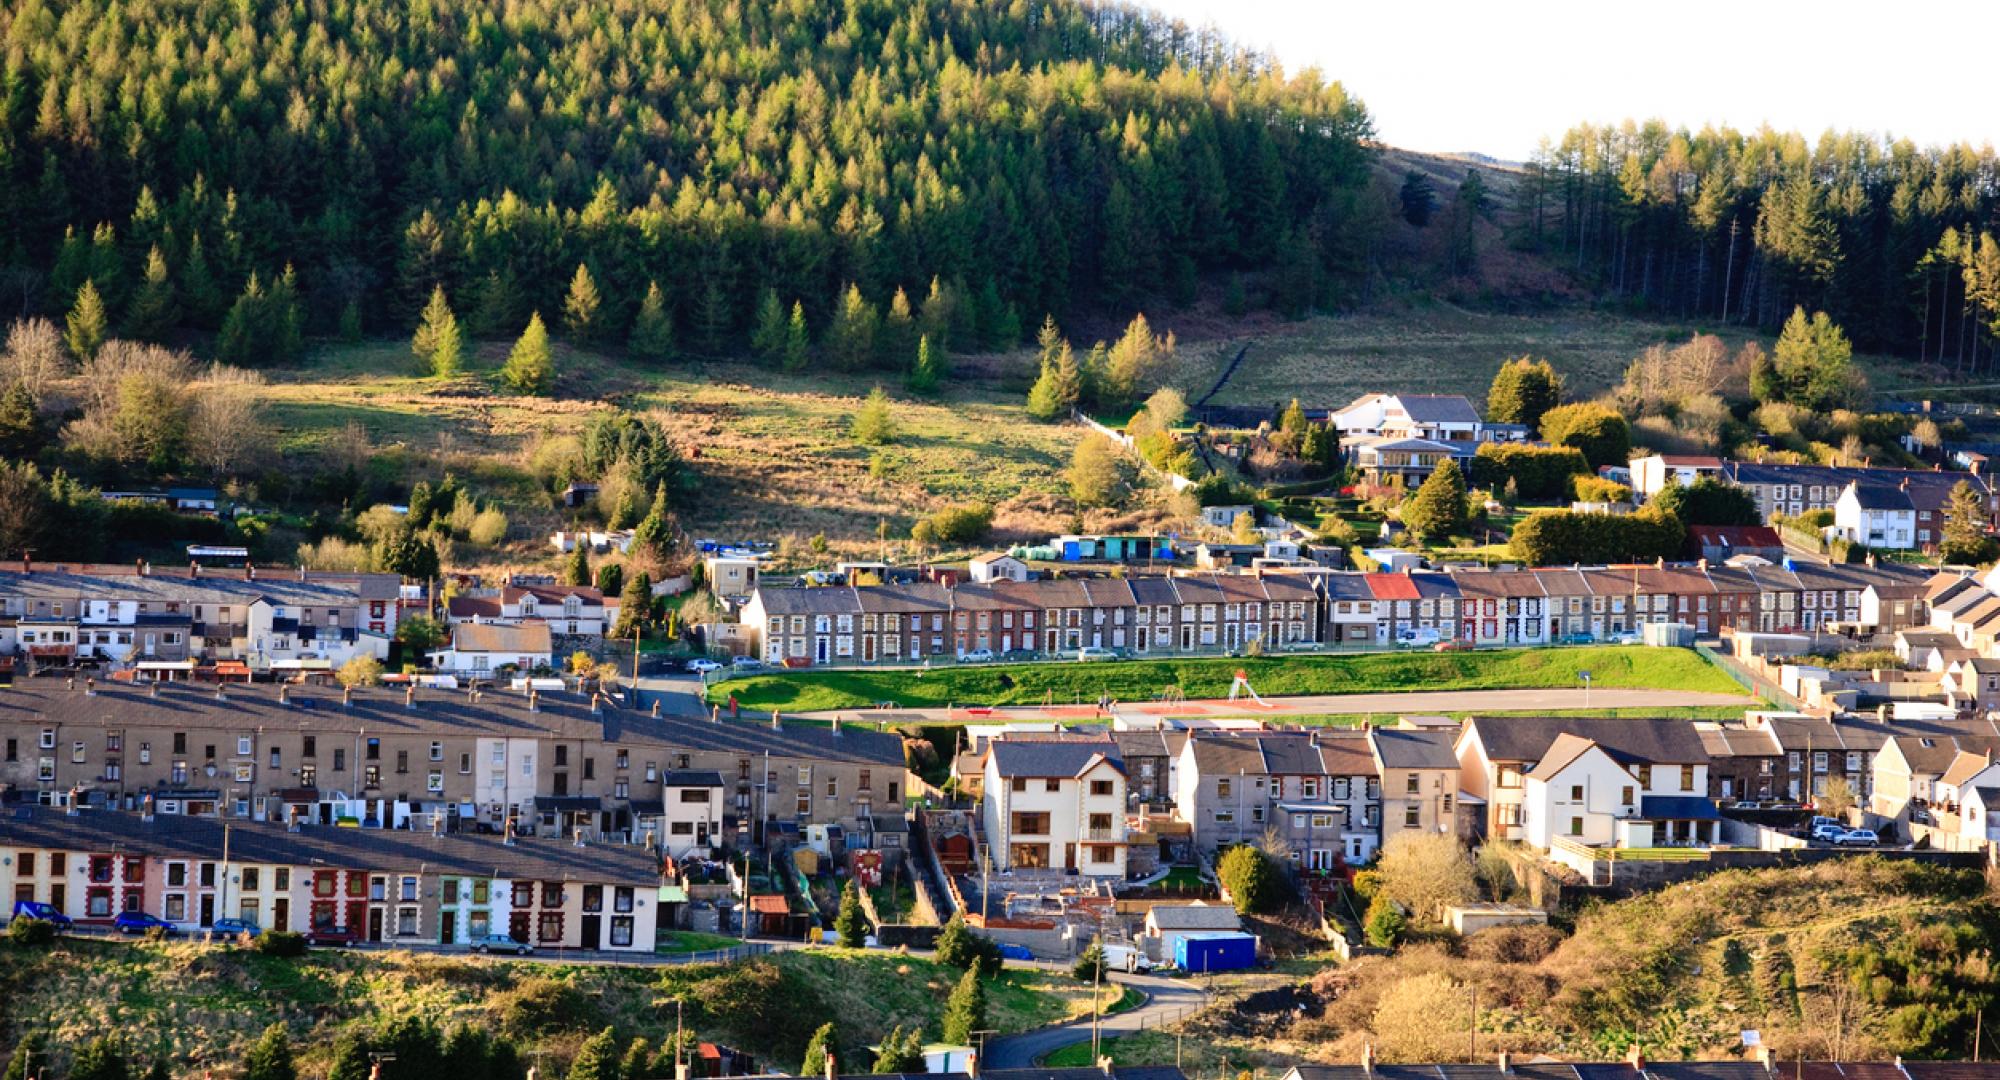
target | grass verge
[{"x": 1637, "y": 667}]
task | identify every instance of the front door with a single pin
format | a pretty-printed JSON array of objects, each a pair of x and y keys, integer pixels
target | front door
[
  {"x": 374, "y": 924},
  {"x": 592, "y": 931},
  {"x": 819, "y": 650},
  {"x": 281, "y": 913},
  {"x": 208, "y": 911},
  {"x": 447, "y": 927}
]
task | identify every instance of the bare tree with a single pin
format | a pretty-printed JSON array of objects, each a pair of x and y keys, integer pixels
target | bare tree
[
  {"x": 226, "y": 431},
  {"x": 35, "y": 355},
  {"x": 1427, "y": 872}
]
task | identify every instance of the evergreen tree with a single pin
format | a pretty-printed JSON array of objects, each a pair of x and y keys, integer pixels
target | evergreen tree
[
  {"x": 437, "y": 343},
  {"x": 901, "y": 1052},
  {"x": 850, "y": 340},
  {"x": 939, "y": 314},
  {"x": 350, "y": 1058},
  {"x": 1813, "y": 362},
  {"x": 965, "y": 1010},
  {"x": 596, "y": 1059},
  {"x": 1292, "y": 422},
  {"x": 898, "y": 337},
  {"x": 850, "y": 923},
  {"x": 87, "y": 324},
  {"x": 927, "y": 370},
  {"x": 263, "y": 326},
  {"x": 1418, "y": 197},
  {"x": 874, "y": 424},
  {"x": 637, "y": 1062},
  {"x": 100, "y": 1059},
  {"x": 29, "y": 1059},
  {"x": 285, "y": 317},
  {"x": 155, "y": 310},
  {"x": 653, "y": 538},
  {"x": 1604, "y": 436},
  {"x": 610, "y": 578},
  {"x": 271, "y": 1057},
  {"x": 1135, "y": 361},
  {"x": 1964, "y": 540},
  {"x": 1059, "y": 388},
  {"x": 1523, "y": 390},
  {"x": 468, "y": 1054},
  {"x": 205, "y": 299},
  {"x": 652, "y": 337},
  {"x": 22, "y": 432},
  {"x": 635, "y": 602},
  {"x": 1437, "y": 510},
  {"x": 576, "y": 568},
  {"x": 768, "y": 339},
  {"x": 158, "y": 1069},
  {"x": 529, "y": 369},
  {"x": 1089, "y": 967},
  {"x": 350, "y": 328},
  {"x": 798, "y": 346},
  {"x": 825, "y": 1041},
  {"x": 580, "y": 306}
]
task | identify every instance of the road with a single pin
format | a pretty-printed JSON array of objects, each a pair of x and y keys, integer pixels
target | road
[
  {"x": 1403, "y": 701},
  {"x": 678, "y": 693},
  {"x": 1166, "y": 1000}
]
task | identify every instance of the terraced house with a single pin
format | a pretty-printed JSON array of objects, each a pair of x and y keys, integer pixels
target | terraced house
[
  {"x": 552, "y": 764},
  {"x": 375, "y": 885},
  {"x": 169, "y": 621}
]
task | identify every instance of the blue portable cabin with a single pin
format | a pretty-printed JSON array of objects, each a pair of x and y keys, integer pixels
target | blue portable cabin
[{"x": 1199, "y": 954}]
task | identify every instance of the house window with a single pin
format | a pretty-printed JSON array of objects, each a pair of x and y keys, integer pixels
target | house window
[
  {"x": 243, "y": 746},
  {"x": 1576, "y": 793},
  {"x": 621, "y": 931},
  {"x": 1687, "y": 778},
  {"x": 1221, "y": 787},
  {"x": 437, "y": 751},
  {"x": 1576, "y": 826},
  {"x": 1103, "y": 787},
  {"x": 1411, "y": 817},
  {"x": 1412, "y": 784}
]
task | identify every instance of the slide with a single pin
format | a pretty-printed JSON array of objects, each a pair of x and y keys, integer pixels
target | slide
[{"x": 1242, "y": 686}]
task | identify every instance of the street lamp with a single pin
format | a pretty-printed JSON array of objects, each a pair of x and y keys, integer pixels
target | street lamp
[{"x": 1585, "y": 676}]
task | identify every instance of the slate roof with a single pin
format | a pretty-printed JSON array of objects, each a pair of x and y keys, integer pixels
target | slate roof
[
  {"x": 1563, "y": 753},
  {"x": 1050, "y": 758},
  {"x": 1880, "y": 497},
  {"x": 1728, "y": 740},
  {"x": 691, "y": 778},
  {"x": 106, "y": 831},
  {"x": 1528, "y": 738},
  {"x": 1194, "y": 917},
  {"x": 1438, "y": 408},
  {"x": 1428, "y": 749}
]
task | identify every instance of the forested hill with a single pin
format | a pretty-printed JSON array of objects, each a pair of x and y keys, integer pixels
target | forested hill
[
  {"x": 1033, "y": 157},
  {"x": 1895, "y": 242}
]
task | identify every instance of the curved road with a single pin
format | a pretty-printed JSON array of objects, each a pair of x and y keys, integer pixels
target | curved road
[{"x": 1166, "y": 1000}]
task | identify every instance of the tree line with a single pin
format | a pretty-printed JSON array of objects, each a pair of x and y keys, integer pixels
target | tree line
[
  {"x": 1893, "y": 241},
  {"x": 269, "y": 170}
]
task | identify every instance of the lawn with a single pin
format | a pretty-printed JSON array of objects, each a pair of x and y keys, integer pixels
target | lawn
[
  {"x": 1147, "y": 680},
  {"x": 688, "y": 941}
]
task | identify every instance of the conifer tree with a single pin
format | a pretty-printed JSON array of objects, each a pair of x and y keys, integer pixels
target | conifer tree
[
  {"x": 637, "y": 1061},
  {"x": 965, "y": 1010},
  {"x": 899, "y": 334},
  {"x": 596, "y": 1059},
  {"x": 202, "y": 295},
  {"x": 652, "y": 337},
  {"x": 529, "y": 369},
  {"x": 824, "y": 1041},
  {"x": 241, "y": 328},
  {"x": 635, "y": 603},
  {"x": 350, "y": 1059},
  {"x": 850, "y": 339},
  {"x": 901, "y": 1051},
  {"x": 1437, "y": 510},
  {"x": 768, "y": 337},
  {"x": 87, "y": 324},
  {"x": 874, "y": 424},
  {"x": 271, "y": 1056},
  {"x": 580, "y": 306},
  {"x": 155, "y": 309},
  {"x": 437, "y": 343},
  {"x": 798, "y": 345},
  {"x": 850, "y": 924},
  {"x": 939, "y": 314},
  {"x": 927, "y": 370},
  {"x": 576, "y": 568},
  {"x": 653, "y": 538},
  {"x": 100, "y": 1059},
  {"x": 1058, "y": 388},
  {"x": 29, "y": 1058},
  {"x": 1523, "y": 389},
  {"x": 286, "y": 318}
]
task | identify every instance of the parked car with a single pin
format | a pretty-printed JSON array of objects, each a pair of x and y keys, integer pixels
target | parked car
[
  {"x": 48, "y": 913},
  {"x": 703, "y": 666},
  {"x": 1452, "y": 646},
  {"x": 1626, "y": 638},
  {"x": 139, "y": 922},
  {"x": 1095, "y": 652},
  {"x": 1416, "y": 637},
  {"x": 501, "y": 943},
  {"x": 977, "y": 656},
  {"x": 1822, "y": 819},
  {"x": 746, "y": 663},
  {"x": 1858, "y": 838},
  {"x": 237, "y": 928},
  {"x": 1015, "y": 952},
  {"x": 1830, "y": 833},
  {"x": 324, "y": 936}
]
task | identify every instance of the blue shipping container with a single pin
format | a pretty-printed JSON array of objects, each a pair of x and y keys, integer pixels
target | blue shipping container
[{"x": 1201, "y": 953}]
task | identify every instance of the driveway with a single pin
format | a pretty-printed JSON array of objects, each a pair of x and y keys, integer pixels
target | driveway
[{"x": 1167, "y": 1000}]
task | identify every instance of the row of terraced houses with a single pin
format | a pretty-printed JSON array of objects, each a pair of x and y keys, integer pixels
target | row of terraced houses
[{"x": 1297, "y": 607}]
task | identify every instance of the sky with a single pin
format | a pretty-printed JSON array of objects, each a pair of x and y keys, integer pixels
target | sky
[{"x": 1451, "y": 76}]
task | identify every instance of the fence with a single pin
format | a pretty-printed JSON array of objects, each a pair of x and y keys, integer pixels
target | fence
[{"x": 1174, "y": 480}]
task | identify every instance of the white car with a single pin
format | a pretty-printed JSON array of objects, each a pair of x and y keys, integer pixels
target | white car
[
  {"x": 501, "y": 943},
  {"x": 1857, "y": 838},
  {"x": 703, "y": 666},
  {"x": 1095, "y": 652},
  {"x": 746, "y": 663},
  {"x": 977, "y": 656}
]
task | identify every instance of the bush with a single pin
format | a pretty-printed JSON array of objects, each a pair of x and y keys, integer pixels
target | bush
[
  {"x": 31, "y": 932},
  {"x": 954, "y": 524},
  {"x": 1385, "y": 923},
  {"x": 1249, "y": 877},
  {"x": 1537, "y": 472},
  {"x": 1090, "y": 966},
  {"x": 1513, "y": 944},
  {"x": 1588, "y": 488},
  {"x": 1603, "y": 435},
  {"x": 959, "y": 947},
  {"x": 541, "y": 1005},
  {"x": 282, "y": 943},
  {"x": 1560, "y": 537}
]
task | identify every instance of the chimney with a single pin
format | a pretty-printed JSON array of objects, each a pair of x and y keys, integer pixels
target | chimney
[
  {"x": 1506, "y": 1063},
  {"x": 1104, "y": 1065},
  {"x": 1764, "y": 1057},
  {"x": 284, "y": 694},
  {"x": 777, "y": 724},
  {"x": 833, "y": 1071},
  {"x": 836, "y": 724},
  {"x": 138, "y": 567},
  {"x": 508, "y": 838},
  {"x": 194, "y": 569},
  {"x": 534, "y": 700},
  {"x": 146, "y": 809},
  {"x": 576, "y": 837},
  {"x": 90, "y": 686},
  {"x": 715, "y": 714},
  {"x": 69, "y": 682},
  {"x": 656, "y": 709},
  {"x": 153, "y": 689},
  {"x": 410, "y": 696},
  {"x": 249, "y": 571},
  {"x": 1368, "y": 1059},
  {"x": 347, "y": 697},
  {"x": 27, "y": 563},
  {"x": 1636, "y": 1058},
  {"x": 972, "y": 1066},
  {"x": 75, "y": 808},
  {"x": 596, "y": 703}
]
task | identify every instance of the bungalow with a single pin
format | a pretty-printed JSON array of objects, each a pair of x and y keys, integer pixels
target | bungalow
[
  {"x": 996, "y": 566},
  {"x": 481, "y": 649},
  {"x": 1167, "y": 924},
  {"x": 1651, "y": 473}
]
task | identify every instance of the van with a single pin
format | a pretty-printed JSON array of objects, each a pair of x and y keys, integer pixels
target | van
[
  {"x": 1125, "y": 958},
  {"x": 48, "y": 913}
]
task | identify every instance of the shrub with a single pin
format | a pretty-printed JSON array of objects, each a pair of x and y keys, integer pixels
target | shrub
[
  {"x": 1558, "y": 537},
  {"x": 954, "y": 524},
  {"x": 30, "y": 932},
  {"x": 540, "y": 1005},
  {"x": 1588, "y": 488},
  {"x": 1603, "y": 435},
  {"x": 959, "y": 947},
  {"x": 1385, "y": 923},
  {"x": 1513, "y": 944},
  {"x": 1090, "y": 966},
  {"x": 282, "y": 943},
  {"x": 1537, "y": 472},
  {"x": 1249, "y": 877}
]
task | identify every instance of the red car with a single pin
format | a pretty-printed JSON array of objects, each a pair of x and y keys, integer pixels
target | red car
[
  {"x": 1452, "y": 646},
  {"x": 323, "y": 936}
]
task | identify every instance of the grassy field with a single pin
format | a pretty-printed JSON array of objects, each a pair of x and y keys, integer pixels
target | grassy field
[
  {"x": 200, "y": 1006},
  {"x": 1146, "y": 680}
]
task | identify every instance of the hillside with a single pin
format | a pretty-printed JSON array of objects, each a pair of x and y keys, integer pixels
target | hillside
[
  {"x": 1858, "y": 959},
  {"x": 201, "y": 1005}
]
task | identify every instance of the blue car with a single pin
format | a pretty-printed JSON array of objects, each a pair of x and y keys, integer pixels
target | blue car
[
  {"x": 1015, "y": 952},
  {"x": 232, "y": 928},
  {"x": 138, "y": 922}
]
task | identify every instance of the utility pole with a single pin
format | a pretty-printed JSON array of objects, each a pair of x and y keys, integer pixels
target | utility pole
[
  {"x": 224, "y": 905},
  {"x": 1097, "y": 998}
]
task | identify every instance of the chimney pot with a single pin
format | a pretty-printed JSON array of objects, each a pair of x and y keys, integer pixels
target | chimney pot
[
  {"x": 1506, "y": 1062},
  {"x": 410, "y": 696},
  {"x": 153, "y": 689},
  {"x": 777, "y": 724},
  {"x": 656, "y": 710},
  {"x": 1636, "y": 1058},
  {"x": 346, "y": 697}
]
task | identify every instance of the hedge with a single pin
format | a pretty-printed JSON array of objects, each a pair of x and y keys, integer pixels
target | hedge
[
  {"x": 1538, "y": 472},
  {"x": 1559, "y": 537}
]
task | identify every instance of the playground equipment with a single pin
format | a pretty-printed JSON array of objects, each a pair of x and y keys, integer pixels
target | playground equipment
[{"x": 1242, "y": 686}]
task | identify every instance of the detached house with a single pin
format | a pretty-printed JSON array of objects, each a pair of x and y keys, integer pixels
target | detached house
[
  {"x": 1879, "y": 516},
  {"x": 1496, "y": 755},
  {"x": 1583, "y": 793},
  {"x": 481, "y": 649},
  {"x": 1055, "y": 804},
  {"x": 567, "y": 610}
]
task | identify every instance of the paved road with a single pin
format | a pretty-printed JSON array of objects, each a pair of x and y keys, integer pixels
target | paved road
[
  {"x": 1167, "y": 1000},
  {"x": 679, "y": 694},
  {"x": 1406, "y": 702}
]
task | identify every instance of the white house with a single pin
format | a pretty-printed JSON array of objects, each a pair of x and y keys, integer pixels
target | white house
[
  {"x": 1410, "y": 416},
  {"x": 690, "y": 810},
  {"x": 1878, "y": 515},
  {"x": 1584, "y": 794},
  {"x": 1055, "y": 803},
  {"x": 1650, "y": 473},
  {"x": 996, "y": 566},
  {"x": 568, "y": 610},
  {"x": 485, "y": 648},
  {"x": 1224, "y": 517}
]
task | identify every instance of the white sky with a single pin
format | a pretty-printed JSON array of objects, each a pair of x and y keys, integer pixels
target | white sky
[{"x": 1496, "y": 76}]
